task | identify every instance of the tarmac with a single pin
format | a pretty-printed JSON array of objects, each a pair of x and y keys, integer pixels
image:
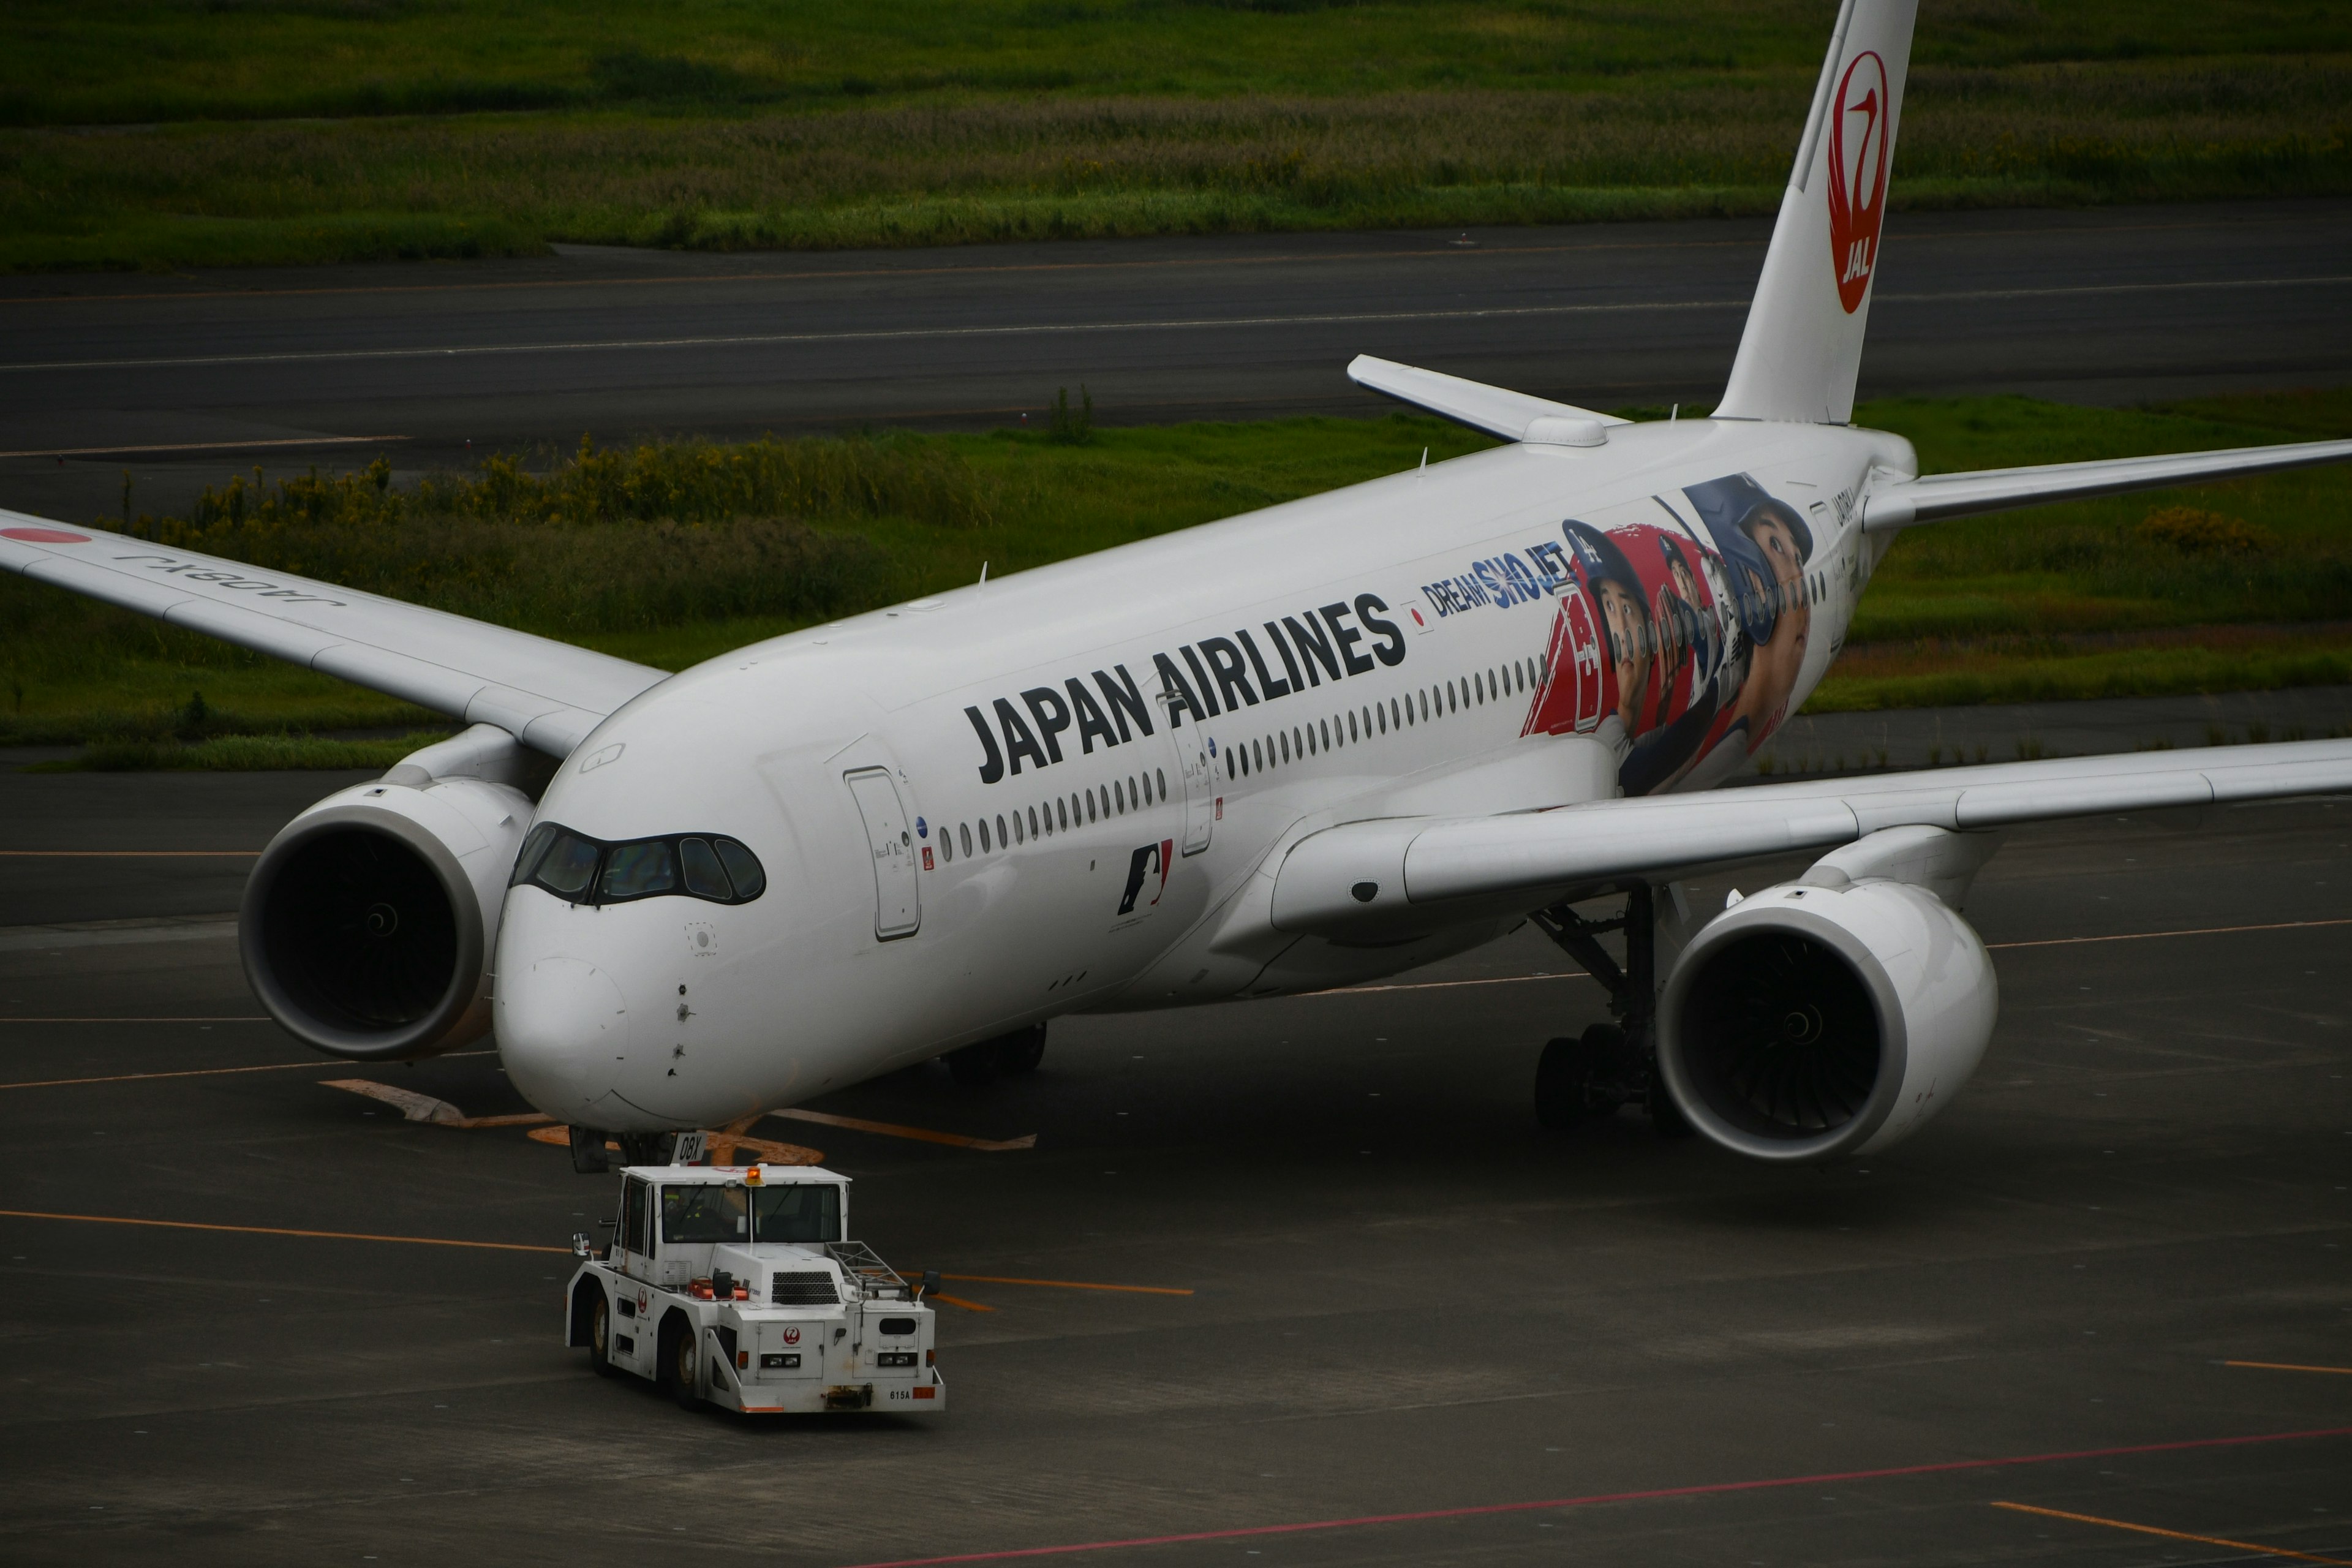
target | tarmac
[
  {"x": 177, "y": 382},
  {"x": 1297, "y": 1281}
]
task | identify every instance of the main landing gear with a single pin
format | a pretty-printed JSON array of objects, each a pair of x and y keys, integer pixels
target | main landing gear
[{"x": 1588, "y": 1077}]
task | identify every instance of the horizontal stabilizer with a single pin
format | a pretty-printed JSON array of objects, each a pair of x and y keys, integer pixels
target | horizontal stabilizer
[
  {"x": 1494, "y": 409},
  {"x": 1936, "y": 497}
]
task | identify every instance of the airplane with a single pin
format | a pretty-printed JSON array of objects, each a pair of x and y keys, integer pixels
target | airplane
[{"x": 1301, "y": 748}]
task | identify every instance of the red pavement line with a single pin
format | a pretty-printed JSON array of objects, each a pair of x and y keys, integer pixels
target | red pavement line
[{"x": 1945, "y": 1467}]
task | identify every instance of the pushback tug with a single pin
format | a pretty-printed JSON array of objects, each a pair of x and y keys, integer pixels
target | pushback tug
[{"x": 733, "y": 1286}]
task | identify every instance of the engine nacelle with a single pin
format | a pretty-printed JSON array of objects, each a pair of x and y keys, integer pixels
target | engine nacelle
[
  {"x": 368, "y": 924},
  {"x": 1810, "y": 1023}
]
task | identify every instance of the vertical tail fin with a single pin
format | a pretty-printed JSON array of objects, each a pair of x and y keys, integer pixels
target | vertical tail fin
[{"x": 1802, "y": 348}]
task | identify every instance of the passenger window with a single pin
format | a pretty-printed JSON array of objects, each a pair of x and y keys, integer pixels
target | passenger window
[
  {"x": 1161, "y": 775},
  {"x": 1018, "y": 836},
  {"x": 1135, "y": 795},
  {"x": 1003, "y": 839},
  {"x": 964, "y": 831},
  {"x": 1326, "y": 735},
  {"x": 704, "y": 877},
  {"x": 984, "y": 845},
  {"x": 1087, "y": 795},
  {"x": 742, "y": 869},
  {"x": 1062, "y": 814},
  {"x": 947, "y": 845}
]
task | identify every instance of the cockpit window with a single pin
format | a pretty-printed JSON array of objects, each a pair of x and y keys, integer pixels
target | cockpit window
[
  {"x": 582, "y": 871},
  {"x": 567, "y": 866},
  {"x": 749, "y": 880},
  {"x": 704, "y": 879},
  {"x": 638, "y": 871}
]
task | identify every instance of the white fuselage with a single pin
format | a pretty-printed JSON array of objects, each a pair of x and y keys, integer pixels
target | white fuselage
[{"x": 1459, "y": 615}]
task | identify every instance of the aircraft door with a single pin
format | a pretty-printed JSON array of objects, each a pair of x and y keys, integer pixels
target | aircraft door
[
  {"x": 1583, "y": 652},
  {"x": 889, "y": 833},
  {"x": 1200, "y": 780}
]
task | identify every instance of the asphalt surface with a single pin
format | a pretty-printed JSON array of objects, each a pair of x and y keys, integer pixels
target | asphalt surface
[
  {"x": 1404, "y": 1298},
  {"x": 186, "y": 378}
]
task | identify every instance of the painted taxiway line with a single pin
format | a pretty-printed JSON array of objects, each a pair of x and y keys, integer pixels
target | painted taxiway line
[
  {"x": 2290, "y": 1366},
  {"x": 2173, "y": 1534},
  {"x": 919, "y": 1134},
  {"x": 1065, "y": 1284},
  {"x": 1715, "y": 1488},
  {"x": 191, "y": 1019},
  {"x": 1082, "y": 329},
  {"x": 280, "y": 1230},
  {"x": 128, "y": 854},
  {"x": 2151, "y": 935},
  {"x": 203, "y": 1072}
]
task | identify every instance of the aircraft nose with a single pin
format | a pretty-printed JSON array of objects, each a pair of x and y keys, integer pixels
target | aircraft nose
[{"x": 563, "y": 1027}]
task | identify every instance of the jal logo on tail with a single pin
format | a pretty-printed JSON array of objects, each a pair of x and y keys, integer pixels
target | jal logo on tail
[
  {"x": 1861, "y": 136},
  {"x": 1150, "y": 862}
]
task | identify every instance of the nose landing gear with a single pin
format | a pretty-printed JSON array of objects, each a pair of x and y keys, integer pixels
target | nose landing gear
[
  {"x": 1587, "y": 1077},
  {"x": 1006, "y": 1056},
  {"x": 591, "y": 1158}
]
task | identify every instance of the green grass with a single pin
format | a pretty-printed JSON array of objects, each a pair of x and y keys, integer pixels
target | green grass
[
  {"x": 758, "y": 539},
  {"x": 169, "y": 133}
]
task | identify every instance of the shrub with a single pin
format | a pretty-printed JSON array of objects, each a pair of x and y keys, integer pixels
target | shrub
[{"x": 2200, "y": 533}]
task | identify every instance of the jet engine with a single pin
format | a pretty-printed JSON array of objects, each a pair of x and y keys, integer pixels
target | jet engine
[
  {"x": 368, "y": 924},
  {"x": 1826, "y": 1019}
]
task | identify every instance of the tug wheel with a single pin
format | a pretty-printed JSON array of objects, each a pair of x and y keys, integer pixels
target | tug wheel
[
  {"x": 682, "y": 1369},
  {"x": 600, "y": 1334}
]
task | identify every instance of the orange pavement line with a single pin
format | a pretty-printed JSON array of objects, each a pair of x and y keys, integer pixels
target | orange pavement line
[
  {"x": 2173, "y": 1534},
  {"x": 921, "y": 1134},
  {"x": 1065, "y": 1284},
  {"x": 2146, "y": 935},
  {"x": 1439, "y": 984},
  {"x": 2290, "y": 1366},
  {"x": 200, "y": 1072},
  {"x": 130, "y": 854},
  {"x": 280, "y": 1230},
  {"x": 957, "y": 1302}
]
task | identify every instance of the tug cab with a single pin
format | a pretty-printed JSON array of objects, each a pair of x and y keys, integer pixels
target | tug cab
[{"x": 736, "y": 1286}]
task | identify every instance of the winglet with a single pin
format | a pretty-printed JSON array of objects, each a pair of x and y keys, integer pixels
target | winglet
[{"x": 1495, "y": 410}]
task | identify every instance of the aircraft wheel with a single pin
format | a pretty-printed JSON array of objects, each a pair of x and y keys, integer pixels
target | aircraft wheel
[
  {"x": 1571, "y": 1076},
  {"x": 1021, "y": 1051},
  {"x": 976, "y": 1065}
]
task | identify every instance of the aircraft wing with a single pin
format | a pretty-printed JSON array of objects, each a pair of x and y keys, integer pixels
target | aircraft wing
[
  {"x": 545, "y": 693},
  {"x": 1364, "y": 874},
  {"x": 1493, "y": 409},
  {"x": 1934, "y": 497}
]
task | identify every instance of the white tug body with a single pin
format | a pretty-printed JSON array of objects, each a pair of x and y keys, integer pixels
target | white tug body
[{"x": 735, "y": 1286}]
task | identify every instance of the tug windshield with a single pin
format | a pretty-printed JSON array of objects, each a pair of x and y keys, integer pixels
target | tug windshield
[
  {"x": 809, "y": 1213},
  {"x": 702, "y": 1212}
]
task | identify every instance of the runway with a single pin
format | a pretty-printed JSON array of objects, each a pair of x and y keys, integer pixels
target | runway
[
  {"x": 186, "y": 378},
  {"x": 1390, "y": 1320}
]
